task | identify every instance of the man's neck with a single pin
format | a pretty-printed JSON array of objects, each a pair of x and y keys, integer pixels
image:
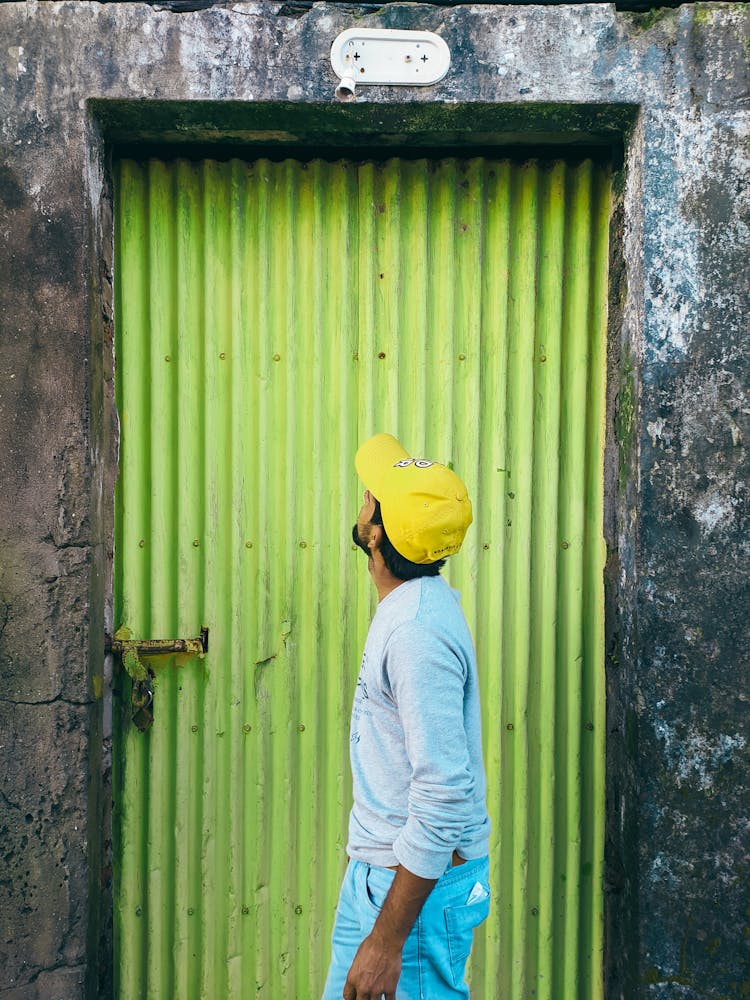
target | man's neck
[{"x": 385, "y": 582}]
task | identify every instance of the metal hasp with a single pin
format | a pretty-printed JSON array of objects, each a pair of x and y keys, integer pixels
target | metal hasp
[
  {"x": 121, "y": 642},
  {"x": 142, "y": 676}
]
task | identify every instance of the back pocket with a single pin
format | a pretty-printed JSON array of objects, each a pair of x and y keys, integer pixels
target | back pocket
[{"x": 460, "y": 922}]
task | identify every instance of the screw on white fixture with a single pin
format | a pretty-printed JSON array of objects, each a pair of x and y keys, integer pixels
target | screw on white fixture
[{"x": 389, "y": 57}]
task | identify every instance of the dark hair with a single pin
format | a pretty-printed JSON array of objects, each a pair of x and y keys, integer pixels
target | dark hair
[{"x": 401, "y": 567}]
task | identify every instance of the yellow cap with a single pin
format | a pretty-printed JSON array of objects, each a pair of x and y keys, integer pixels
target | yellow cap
[{"x": 425, "y": 506}]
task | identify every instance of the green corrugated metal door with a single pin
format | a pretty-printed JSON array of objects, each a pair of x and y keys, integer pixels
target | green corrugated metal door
[{"x": 269, "y": 317}]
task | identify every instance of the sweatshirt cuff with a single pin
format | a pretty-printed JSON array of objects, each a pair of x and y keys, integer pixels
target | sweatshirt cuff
[{"x": 424, "y": 863}]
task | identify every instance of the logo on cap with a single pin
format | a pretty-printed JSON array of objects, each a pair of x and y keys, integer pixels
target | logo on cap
[{"x": 418, "y": 463}]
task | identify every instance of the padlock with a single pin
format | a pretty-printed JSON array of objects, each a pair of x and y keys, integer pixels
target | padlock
[
  {"x": 142, "y": 698},
  {"x": 143, "y": 719}
]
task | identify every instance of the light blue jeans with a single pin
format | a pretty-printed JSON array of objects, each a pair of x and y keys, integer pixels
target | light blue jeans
[{"x": 435, "y": 953}]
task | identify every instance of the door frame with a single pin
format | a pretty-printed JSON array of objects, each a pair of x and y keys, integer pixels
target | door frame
[{"x": 425, "y": 130}]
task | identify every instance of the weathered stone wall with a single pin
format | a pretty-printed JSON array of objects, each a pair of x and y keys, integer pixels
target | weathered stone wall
[{"x": 674, "y": 84}]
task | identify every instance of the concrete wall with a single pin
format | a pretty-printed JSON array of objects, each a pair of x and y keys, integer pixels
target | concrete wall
[{"x": 672, "y": 88}]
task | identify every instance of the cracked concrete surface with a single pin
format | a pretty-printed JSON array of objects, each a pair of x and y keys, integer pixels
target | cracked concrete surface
[{"x": 41, "y": 799}]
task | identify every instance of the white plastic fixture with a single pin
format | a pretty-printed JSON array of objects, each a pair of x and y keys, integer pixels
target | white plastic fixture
[{"x": 387, "y": 56}]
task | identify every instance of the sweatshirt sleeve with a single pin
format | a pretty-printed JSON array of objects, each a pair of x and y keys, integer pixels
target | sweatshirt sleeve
[{"x": 427, "y": 678}]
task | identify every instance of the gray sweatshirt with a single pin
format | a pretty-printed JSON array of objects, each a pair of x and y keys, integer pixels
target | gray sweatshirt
[{"x": 416, "y": 750}]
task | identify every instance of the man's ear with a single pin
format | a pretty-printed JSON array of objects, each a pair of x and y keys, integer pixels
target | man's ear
[{"x": 376, "y": 537}]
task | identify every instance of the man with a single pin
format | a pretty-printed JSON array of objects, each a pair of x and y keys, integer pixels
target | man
[{"x": 417, "y": 881}]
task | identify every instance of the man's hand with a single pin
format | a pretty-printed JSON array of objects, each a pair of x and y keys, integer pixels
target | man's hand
[
  {"x": 375, "y": 970},
  {"x": 377, "y": 965}
]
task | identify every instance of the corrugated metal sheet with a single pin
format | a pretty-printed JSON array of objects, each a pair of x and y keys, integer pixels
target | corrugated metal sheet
[{"x": 269, "y": 317}]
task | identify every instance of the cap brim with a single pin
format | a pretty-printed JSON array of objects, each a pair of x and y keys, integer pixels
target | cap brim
[{"x": 375, "y": 458}]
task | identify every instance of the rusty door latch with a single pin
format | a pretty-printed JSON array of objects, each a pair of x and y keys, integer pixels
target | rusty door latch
[{"x": 142, "y": 676}]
